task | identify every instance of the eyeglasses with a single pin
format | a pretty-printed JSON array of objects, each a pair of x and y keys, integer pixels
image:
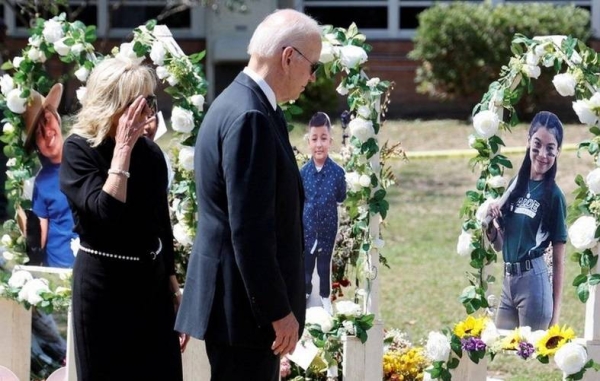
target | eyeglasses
[
  {"x": 152, "y": 103},
  {"x": 314, "y": 66}
]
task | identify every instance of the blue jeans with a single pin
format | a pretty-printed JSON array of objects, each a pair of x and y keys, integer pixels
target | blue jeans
[{"x": 526, "y": 298}]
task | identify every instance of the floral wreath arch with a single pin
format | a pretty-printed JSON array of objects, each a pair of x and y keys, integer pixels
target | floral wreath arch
[
  {"x": 72, "y": 42},
  {"x": 577, "y": 74}
]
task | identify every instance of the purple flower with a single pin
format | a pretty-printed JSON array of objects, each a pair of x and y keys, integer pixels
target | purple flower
[
  {"x": 472, "y": 344},
  {"x": 525, "y": 350}
]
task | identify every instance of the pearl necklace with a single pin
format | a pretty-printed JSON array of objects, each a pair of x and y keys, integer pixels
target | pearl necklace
[{"x": 532, "y": 190}]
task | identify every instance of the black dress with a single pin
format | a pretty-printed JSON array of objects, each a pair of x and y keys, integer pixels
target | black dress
[{"x": 123, "y": 314}]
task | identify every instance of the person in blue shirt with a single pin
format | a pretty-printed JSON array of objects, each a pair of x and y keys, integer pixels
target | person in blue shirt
[
  {"x": 532, "y": 219},
  {"x": 43, "y": 129},
  {"x": 51, "y": 208},
  {"x": 324, "y": 188}
]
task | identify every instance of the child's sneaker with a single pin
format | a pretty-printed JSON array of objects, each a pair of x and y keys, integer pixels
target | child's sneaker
[{"x": 327, "y": 304}]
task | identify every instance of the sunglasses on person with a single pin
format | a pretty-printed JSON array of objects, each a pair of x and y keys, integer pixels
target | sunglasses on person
[
  {"x": 314, "y": 66},
  {"x": 151, "y": 101}
]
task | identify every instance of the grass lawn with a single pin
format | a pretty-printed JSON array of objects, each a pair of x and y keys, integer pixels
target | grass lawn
[{"x": 420, "y": 291}]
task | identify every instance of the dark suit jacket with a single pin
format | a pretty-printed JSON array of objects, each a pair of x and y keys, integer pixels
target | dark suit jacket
[{"x": 246, "y": 269}]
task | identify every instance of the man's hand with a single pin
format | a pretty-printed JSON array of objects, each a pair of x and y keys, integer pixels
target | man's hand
[{"x": 286, "y": 335}]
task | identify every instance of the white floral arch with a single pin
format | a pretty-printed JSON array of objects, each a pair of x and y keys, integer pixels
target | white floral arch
[
  {"x": 72, "y": 42},
  {"x": 577, "y": 74}
]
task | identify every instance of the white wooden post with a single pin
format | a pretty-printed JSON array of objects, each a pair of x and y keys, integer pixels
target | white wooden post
[
  {"x": 71, "y": 369},
  {"x": 353, "y": 359},
  {"x": 467, "y": 370},
  {"x": 195, "y": 362},
  {"x": 592, "y": 331},
  {"x": 15, "y": 336}
]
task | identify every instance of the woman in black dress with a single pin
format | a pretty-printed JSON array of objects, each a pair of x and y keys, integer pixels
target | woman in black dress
[{"x": 125, "y": 293}]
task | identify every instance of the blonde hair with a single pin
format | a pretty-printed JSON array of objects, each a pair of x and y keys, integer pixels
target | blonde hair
[{"x": 113, "y": 84}]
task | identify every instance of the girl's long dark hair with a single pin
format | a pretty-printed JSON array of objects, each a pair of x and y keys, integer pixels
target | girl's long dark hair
[{"x": 549, "y": 121}]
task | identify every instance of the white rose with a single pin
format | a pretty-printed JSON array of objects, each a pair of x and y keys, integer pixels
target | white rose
[
  {"x": 77, "y": 48},
  {"x": 81, "y": 92},
  {"x": 172, "y": 80},
  {"x": 497, "y": 182},
  {"x": 565, "y": 84},
  {"x": 364, "y": 181},
  {"x": 162, "y": 72},
  {"x": 198, "y": 101},
  {"x": 348, "y": 308},
  {"x": 61, "y": 48},
  {"x": 157, "y": 53},
  {"x": 532, "y": 58},
  {"x": 353, "y": 181},
  {"x": 15, "y": 103},
  {"x": 318, "y": 316},
  {"x": 490, "y": 334},
  {"x": 351, "y": 56},
  {"x": 349, "y": 327},
  {"x": 36, "y": 55},
  {"x": 19, "y": 278},
  {"x": 571, "y": 358},
  {"x": 28, "y": 188},
  {"x": 8, "y": 255},
  {"x": 53, "y": 31},
  {"x": 6, "y": 84},
  {"x": 582, "y": 232},
  {"x": 35, "y": 41},
  {"x": 6, "y": 240},
  {"x": 464, "y": 247},
  {"x": 341, "y": 89},
  {"x": 532, "y": 71},
  {"x": 127, "y": 54},
  {"x": 373, "y": 82},
  {"x": 32, "y": 290},
  {"x": 362, "y": 129},
  {"x": 181, "y": 235},
  {"x": 8, "y": 128},
  {"x": 82, "y": 73},
  {"x": 186, "y": 158},
  {"x": 364, "y": 112},
  {"x": 593, "y": 181},
  {"x": 11, "y": 162},
  {"x": 486, "y": 123},
  {"x": 17, "y": 61},
  {"x": 587, "y": 110},
  {"x": 437, "y": 347},
  {"x": 182, "y": 120},
  {"x": 327, "y": 52}
]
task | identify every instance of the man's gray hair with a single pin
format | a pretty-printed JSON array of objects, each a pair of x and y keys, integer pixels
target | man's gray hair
[{"x": 282, "y": 28}]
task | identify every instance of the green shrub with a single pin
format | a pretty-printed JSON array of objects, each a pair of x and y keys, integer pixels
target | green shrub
[
  {"x": 462, "y": 46},
  {"x": 318, "y": 96}
]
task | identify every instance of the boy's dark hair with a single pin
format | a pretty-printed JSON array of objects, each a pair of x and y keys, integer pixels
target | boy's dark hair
[{"x": 320, "y": 119}]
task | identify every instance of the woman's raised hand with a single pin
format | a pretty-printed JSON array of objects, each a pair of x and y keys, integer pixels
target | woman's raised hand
[{"x": 132, "y": 122}]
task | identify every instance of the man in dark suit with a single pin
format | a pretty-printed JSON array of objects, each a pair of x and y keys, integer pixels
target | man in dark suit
[{"x": 244, "y": 293}]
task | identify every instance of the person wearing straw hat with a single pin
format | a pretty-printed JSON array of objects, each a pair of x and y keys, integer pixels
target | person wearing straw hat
[{"x": 44, "y": 135}]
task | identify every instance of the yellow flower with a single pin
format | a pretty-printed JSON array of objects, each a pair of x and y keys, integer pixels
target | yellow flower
[
  {"x": 470, "y": 327},
  {"x": 407, "y": 364},
  {"x": 554, "y": 338},
  {"x": 512, "y": 340}
]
